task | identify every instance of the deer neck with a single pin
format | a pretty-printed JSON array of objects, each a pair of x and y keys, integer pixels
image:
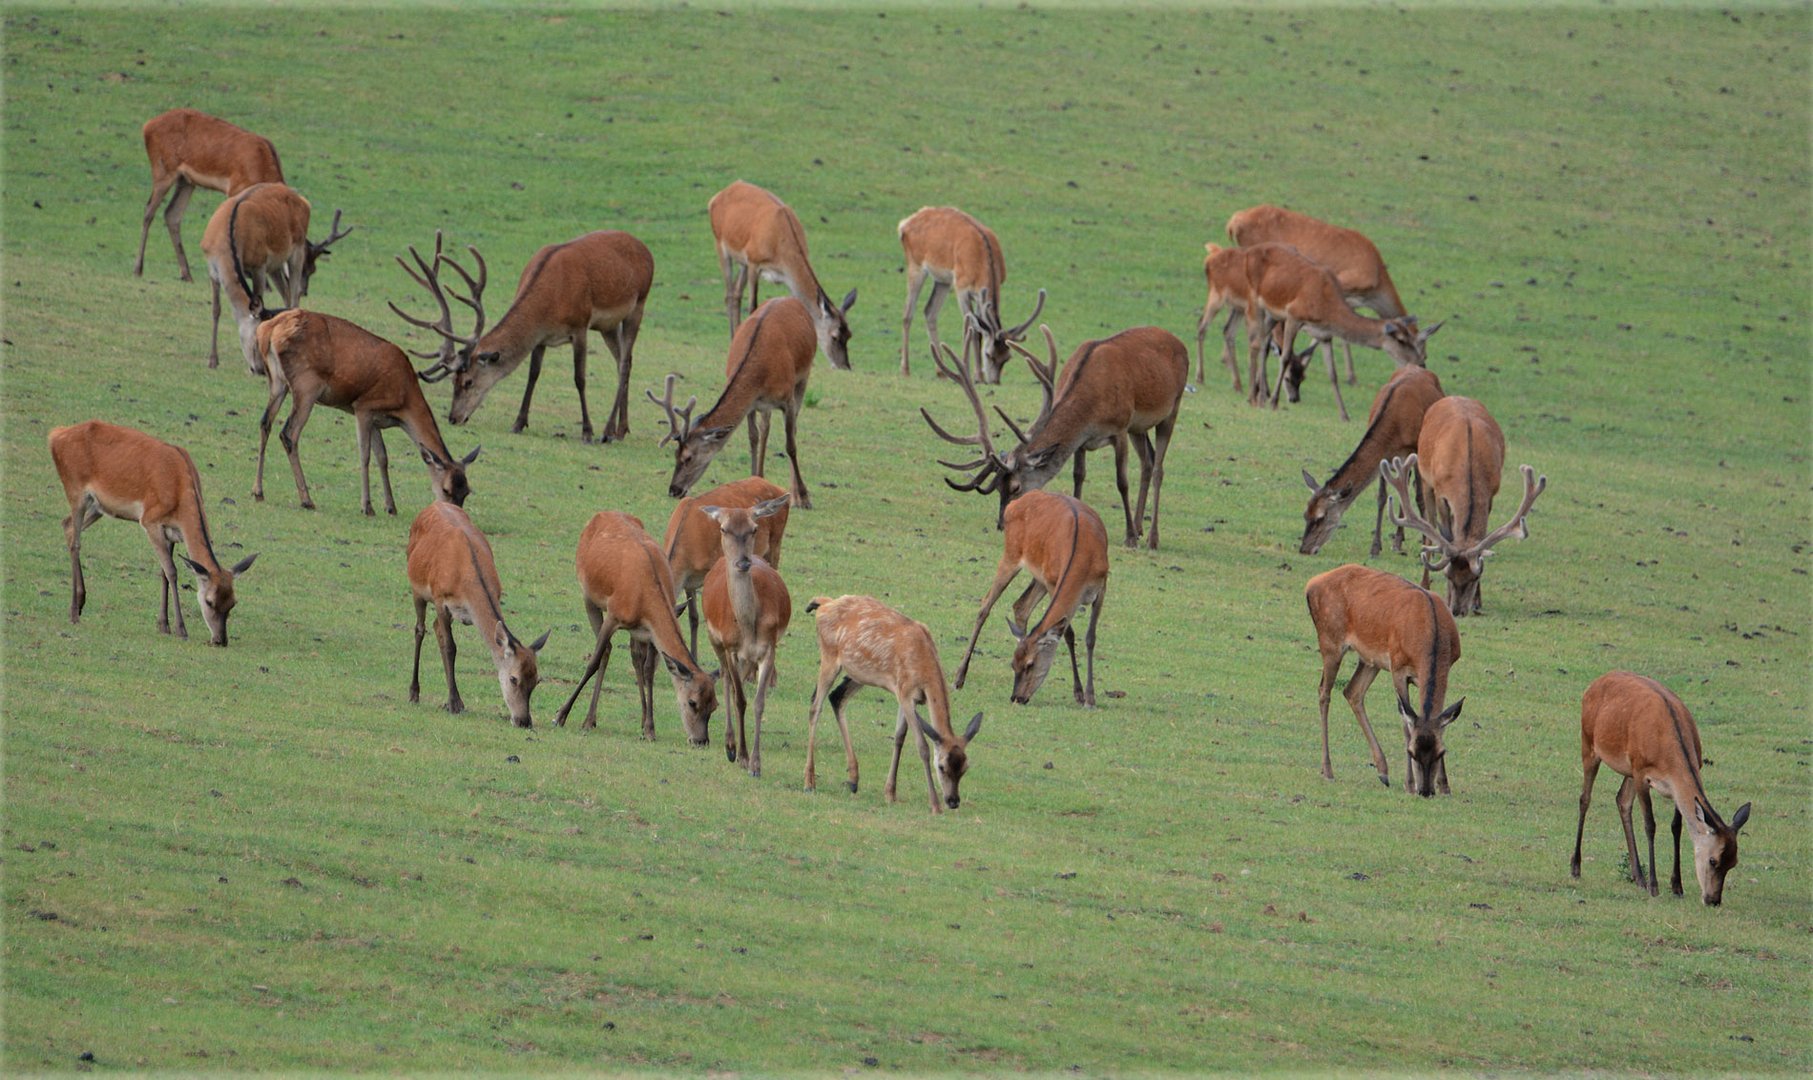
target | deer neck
[
  {"x": 417, "y": 421},
  {"x": 487, "y": 615},
  {"x": 1362, "y": 466},
  {"x": 744, "y": 603},
  {"x": 1349, "y": 325},
  {"x": 741, "y": 392},
  {"x": 511, "y": 339}
]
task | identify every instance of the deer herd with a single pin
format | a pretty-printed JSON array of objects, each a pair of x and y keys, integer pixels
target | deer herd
[{"x": 1287, "y": 273}]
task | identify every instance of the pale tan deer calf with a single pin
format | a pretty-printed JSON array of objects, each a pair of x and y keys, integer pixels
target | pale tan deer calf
[
  {"x": 451, "y": 569},
  {"x": 258, "y": 238},
  {"x": 599, "y": 281},
  {"x": 769, "y": 363},
  {"x": 747, "y": 609},
  {"x": 324, "y": 360},
  {"x": 871, "y": 644},
  {"x": 1458, "y": 461},
  {"x": 1390, "y": 625},
  {"x": 127, "y": 474},
  {"x": 694, "y": 545},
  {"x": 1640, "y": 728},
  {"x": 959, "y": 254},
  {"x": 627, "y": 586},
  {"x": 760, "y": 236},
  {"x": 1392, "y": 429},
  {"x": 1063, "y": 545},
  {"x": 190, "y": 149}
]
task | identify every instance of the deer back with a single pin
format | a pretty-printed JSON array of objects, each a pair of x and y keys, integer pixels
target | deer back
[
  {"x": 773, "y": 604},
  {"x": 879, "y": 646},
  {"x": 765, "y": 231},
  {"x": 209, "y": 151},
  {"x": 691, "y": 541},
  {"x": 266, "y": 222},
  {"x": 622, "y": 570},
  {"x": 1063, "y": 543},
  {"x": 131, "y": 475},
  {"x": 1352, "y": 257},
  {"x": 1133, "y": 379},
  {"x": 1460, "y": 454},
  {"x": 450, "y": 560},
  {"x": 770, "y": 358},
  {"x": 1389, "y": 622},
  {"x": 948, "y": 239},
  {"x": 598, "y": 278}
]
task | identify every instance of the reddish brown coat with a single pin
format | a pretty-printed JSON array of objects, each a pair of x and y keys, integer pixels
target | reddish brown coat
[{"x": 190, "y": 149}]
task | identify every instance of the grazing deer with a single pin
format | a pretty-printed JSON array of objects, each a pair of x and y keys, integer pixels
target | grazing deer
[
  {"x": 1640, "y": 728},
  {"x": 256, "y": 238},
  {"x": 1303, "y": 295},
  {"x": 1459, "y": 456},
  {"x": 770, "y": 361},
  {"x": 747, "y": 609},
  {"x": 1392, "y": 429},
  {"x": 1063, "y": 544},
  {"x": 599, "y": 281},
  {"x": 451, "y": 569},
  {"x": 628, "y": 586},
  {"x": 1120, "y": 389},
  {"x": 759, "y": 236},
  {"x": 1349, "y": 255},
  {"x": 694, "y": 546},
  {"x": 1391, "y": 625},
  {"x": 958, "y": 252},
  {"x": 127, "y": 474},
  {"x": 871, "y": 644},
  {"x": 1229, "y": 289},
  {"x": 190, "y": 149},
  {"x": 324, "y": 360}
]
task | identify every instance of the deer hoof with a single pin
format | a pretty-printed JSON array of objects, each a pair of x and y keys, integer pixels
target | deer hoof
[{"x": 850, "y": 786}]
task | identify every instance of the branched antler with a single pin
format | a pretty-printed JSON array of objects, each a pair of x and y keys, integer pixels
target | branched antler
[
  {"x": 679, "y": 421},
  {"x": 958, "y": 371}
]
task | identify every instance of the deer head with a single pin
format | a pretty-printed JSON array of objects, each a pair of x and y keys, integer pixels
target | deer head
[
  {"x": 1032, "y": 658},
  {"x": 834, "y": 329},
  {"x": 517, "y": 672},
  {"x": 317, "y": 252},
  {"x": 215, "y": 591},
  {"x": 1007, "y": 475},
  {"x": 950, "y": 758},
  {"x": 1326, "y": 505},
  {"x": 1714, "y": 848},
  {"x": 995, "y": 338},
  {"x": 1461, "y": 561},
  {"x": 474, "y": 373},
  {"x": 449, "y": 476},
  {"x": 737, "y": 528},
  {"x": 694, "y": 447},
  {"x": 1423, "y": 737}
]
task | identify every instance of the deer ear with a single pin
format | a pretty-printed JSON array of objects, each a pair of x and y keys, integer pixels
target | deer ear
[
  {"x": 1425, "y": 335},
  {"x": 244, "y": 564},
  {"x": 1738, "y": 819},
  {"x": 1054, "y": 635},
  {"x": 1406, "y": 710},
  {"x": 773, "y": 506},
  {"x": 849, "y": 301},
  {"x": 502, "y": 639},
  {"x": 472, "y": 457},
  {"x": 674, "y": 668},
  {"x": 975, "y": 725},
  {"x": 1311, "y": 481},
  {"x": 193, "y": 565},
  {"x": 1450, "y": 714},
  {"x": 535, "y": 646},
  {"x": 926, "y": 729},
  {"x": 715, "y": 513},
  {"x": 1018, "y": 631}
]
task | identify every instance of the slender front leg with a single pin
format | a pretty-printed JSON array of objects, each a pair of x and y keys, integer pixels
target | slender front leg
[
  {"x": 1227, "y": 346},
  {"x": 1076, "y": 674},
  {"x": 827, "y": 671},
  {"x": 383, "y": 456},
  {"x": 585, "y": 415},
  {"x": 1649, "y": 829},
  {"x": 925, "y": 758},
  {"x": 933, "y": 304},
  {"x": 421, "y": 631},
  {"x": 1079, "y": 470},
  {"x": 1142, "y": 449},
  {"x": 642, "y": 659},
  {"x": 1334, "y": 379},
  {"x": 362, "y": 428},
  {"x": 733, "y": 705},
  {"x": 593, "y": 666},
  {"x": 1165, "y": 431},
  {"x": 902, "y": 721},
  {"x": 291, "y": 437},
  {"x": 1627, "y": 794},
  {"x": 1095, "y": 613},
  {"x": 1120, "y": 484},
  {"x": 1348, "y": 346},
  {"x": 621, "y": 340},
  {"x": 1004, "y": 574},
  {"x": 1356, "y": 698},
  {"x": 1675, "y": 882},
  {"x": 915, "y": 282},
  {"x": 279, "y": 390},
  {"x": 1378, "y": 525},
  {"x": 800, "y": 497},
  {"x": 528, "y": 391},
  {"x": 443, "y": 633},
  {"x": 172, "y": 595},
  {"x": 173, "y": 221},
  {"x": 1590, "y": 768},
  {"x": 72, "y": 533},
  {"x": 839, "y": 697},
  {"x": 159, "y": 188},
  {"x": 764, "y": 675},
  {"x": 752, "y": 424},
  {"x": 733, "y": 288},
  {"x": 214, "y": 337}
]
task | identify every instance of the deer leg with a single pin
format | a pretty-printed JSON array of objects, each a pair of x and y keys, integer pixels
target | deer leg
[
  {"x": 1675, "y": 882},
  {"x": 1079, "y": 469},
  {"x": 279, "y": 391},
  {"x": 1165, "y": 430},
  {"x": 1356, "y": 699},
  {"x": 1258, "y": 332},
  {"x": 934, "y": 303},
  {"x": 383, "y": 456},
  {"x": 915, "y": 282},
  {"x": 755, "y": 289},
  {"x": 1227, "y": 346},
  {"x": 1285, "y": 349},
  {"x": 1095, "y": 613},
  {"x": 443, "y": 633},
  {"x": 733, "y": 287},
  {"x": 758, "y": 450},
  {"x": 1004, "y": 573},
  {"x": 1334, "y": 380},
  {"x": 1022, "y": 607},
  {"x": 160, "y": 186},
  {"x": 1076, "y": 672},
  {"x": 764, "y": 674},
  {"x": 1627, "y": 794},
  {"x": 692, "y": 618},
  {"x": 214, "y": 335},
  {"x": 585, "y": 415},
  {"x": 1120, "y": 483},
  {"x": 925, "y": 758},
  {"x": 734, "y": 749},
  {"x": 1331, "y": 667},
  {"x": 171, "y": 595},
  {"x": 642, "y": 661},
  {"x": 1348, "y": 346},
  {"x": 827, "y": 671},
  {"x": 800, "y": 498},
  {"x": 528, "y": 391},
  {"x": 362, "y": 429},
  {"x": 421, "y": 631},
  {"x": 82, "y": 513},
  {"x": 619, "y": 340},
  {"x": 1649, "y": 829},
  {"x": 290, "y": 437},
  {"x": 1378, "y": 524},
  {"x": 1202, "y": 334},
  {"x": 1589, "y": 767},
  {"x": 1142, "y": 448},
  {"x": 173, "y": 221},
  {"x": 593, "y": 666}
]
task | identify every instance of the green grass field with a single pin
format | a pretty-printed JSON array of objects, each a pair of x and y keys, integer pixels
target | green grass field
[{"x": 264, "y": 857}]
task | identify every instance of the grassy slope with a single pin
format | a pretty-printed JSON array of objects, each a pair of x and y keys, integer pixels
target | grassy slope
[{"x": 1610, "y": 206}]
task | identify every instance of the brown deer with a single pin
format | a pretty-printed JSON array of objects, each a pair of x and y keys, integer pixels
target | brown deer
[
  {"x": 759, "y": 236},
  {"x": 324, "y": 360},
  {"x": 1230, "y": 290},
  {"x": 1391, "y": 625},
  {"x": 958, "y": 252},
  {"x": 127, "y": 474},
  {"x": 1349, "y": 255},
  {"x": 255, "y": 239},
  {"x": 770, "y": 361},
  {"x": 747, "y": 609},
  {"x": 1640, "y": 728},
  {"x": 1459, "y": 457},
  {"x": 1391, "y": 432},
  {"x": 190, "y": 149},
  {"x": 599, "y": 281},
  {"x": 1304, "y": 295},
  {"x": 451, "y": 569},
  {"x": 1063, "y": 544},
  {"x": 694, "y": 546},
  {"x": 627, "y": 586},
  {"x": 1122, "y": 389},
  {"x": 871, "y": 644}
]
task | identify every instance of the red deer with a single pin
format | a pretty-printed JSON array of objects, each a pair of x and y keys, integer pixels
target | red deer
[
  {"x": 759, "y": 236},
  {"x": 1640, "y": 728},
  {"x": 1303, "y": 295},
  {"x": 747, "y": 609},
  {"x": 259, "y": 238},
  {"x": 1459, "y": 456},
  {"x": 1391, "y": 432},
  {"x": 1063, "y": 544},
  {"x": 324, "y": 360},
  {"x": 1391, "y": 625},
  {"x": 958, "y": 252},
  {"x": 190, "y": 149},
  {"x": 871, "y": 644},
  {"x": 770, "y": 361},
  {"x": 1120, "y": 389},
  {"x": 1352, "y": 258},
  {"x": 599, "y": 281},
  {"x": 1229, "y": 289},
  {"x": 451, "y": 570},
  {"x": 694, "y": 546},
  {"x": 628, "y": 586},
  {"x": 127, "y": 474}
]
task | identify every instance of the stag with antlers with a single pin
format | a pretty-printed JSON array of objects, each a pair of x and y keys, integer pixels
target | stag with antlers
[{"x": 1122, "y": 389}]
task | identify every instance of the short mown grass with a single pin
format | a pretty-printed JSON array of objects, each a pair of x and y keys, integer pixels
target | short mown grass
[{"x": 264, "y": 857}]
